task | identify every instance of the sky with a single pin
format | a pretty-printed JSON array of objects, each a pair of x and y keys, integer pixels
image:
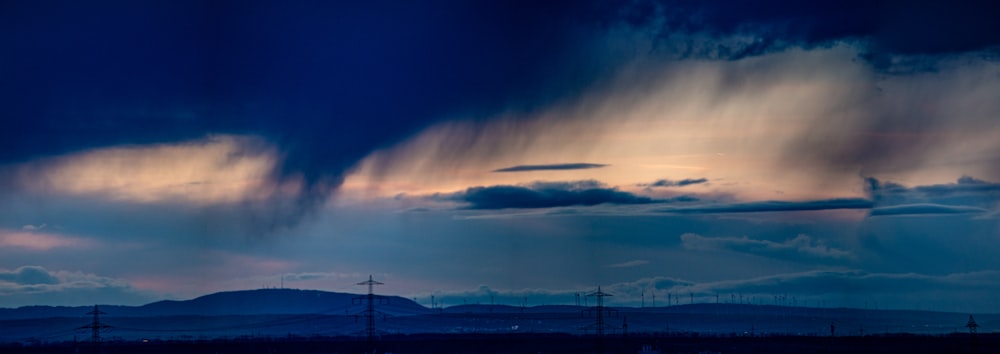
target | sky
[{"x": 809, "y": 153}]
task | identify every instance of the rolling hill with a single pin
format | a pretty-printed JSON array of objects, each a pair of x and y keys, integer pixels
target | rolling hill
[
  {"x": 244, "y": 302},
  {"x": 305, "y": 313}
]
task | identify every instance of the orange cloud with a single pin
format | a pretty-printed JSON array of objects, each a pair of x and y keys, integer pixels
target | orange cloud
[
  {"x": 216, "y": 169},
  {"x": 39, "y": 241}
]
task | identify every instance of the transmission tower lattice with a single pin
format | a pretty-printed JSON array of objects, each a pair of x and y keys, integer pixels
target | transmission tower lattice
[
  {"x": 96, "y": 327},
  {"x": 369, "y": 312},
  {"x": 600, "y": 311},
  {"x": 972, "y": 325}
]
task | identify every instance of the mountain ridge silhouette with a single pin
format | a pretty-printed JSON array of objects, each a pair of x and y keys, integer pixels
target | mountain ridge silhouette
[{"x": 238, "y": 302}]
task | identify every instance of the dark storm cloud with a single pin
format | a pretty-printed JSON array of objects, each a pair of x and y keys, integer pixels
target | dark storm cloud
[
  {"x": 776, "y": 205},
  {"x": 670, "y": 183},
  {"x": 557, "y": 167},
  {"x": 885, "y": 28},
  {"x": 327, "y": 82},
  {"x": 330, "y": 82},
  {"x": 550, "y": 195}
]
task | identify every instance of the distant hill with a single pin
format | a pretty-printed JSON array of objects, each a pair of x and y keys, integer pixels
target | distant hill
[
  {"x": 287, "y": 312},
  {"x": 244, "y": 302}
]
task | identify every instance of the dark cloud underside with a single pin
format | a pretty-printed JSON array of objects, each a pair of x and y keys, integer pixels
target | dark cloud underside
[
  {"x": 546, "y": 195},
  {"x": 503, "y": 197},
  {"x": 557, "y": 167},
  {"x": 775, "y": 205},
  {"x": 671, "y": 183},
  {"x": 886, "y": 28}
]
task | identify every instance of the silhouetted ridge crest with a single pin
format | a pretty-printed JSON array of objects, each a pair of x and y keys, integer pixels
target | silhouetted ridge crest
[{"x": 242, "y": 302}]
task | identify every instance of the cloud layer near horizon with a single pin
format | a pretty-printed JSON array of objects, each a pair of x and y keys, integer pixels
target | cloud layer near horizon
[
  {"x": 840, "y": 288},
  {"x": 33, "y": 285}
]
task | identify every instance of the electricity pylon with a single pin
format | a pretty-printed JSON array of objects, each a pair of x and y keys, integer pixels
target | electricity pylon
[
  {"x": 972, "y": 325},
  {"x": 96, "y": 327},
  {"x": 600, "y": 311},
  {"x": 369, "y": 311}
]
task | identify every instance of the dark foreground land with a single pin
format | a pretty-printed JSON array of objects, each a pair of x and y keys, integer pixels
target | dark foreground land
[{"x": 540, "y": 343}]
